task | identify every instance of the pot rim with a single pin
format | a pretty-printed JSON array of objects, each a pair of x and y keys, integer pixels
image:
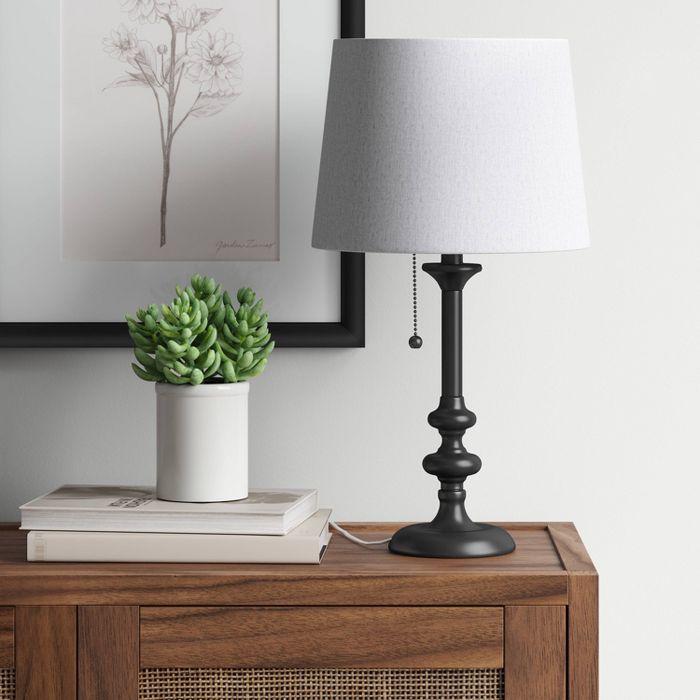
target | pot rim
[{"x": 202, "y": 390}]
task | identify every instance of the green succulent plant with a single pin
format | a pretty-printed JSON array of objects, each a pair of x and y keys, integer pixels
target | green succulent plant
[{"x": 200, "y": 336}]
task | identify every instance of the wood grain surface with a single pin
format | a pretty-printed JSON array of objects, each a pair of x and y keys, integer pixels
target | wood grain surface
[
  {"x": 571, "y": 550},
  {"x": 535, "y": 653},
  {"x": 583, "y": 637},
  {"x": 583, "y": 611},
  {"x": 7, "y": 637},
  {"x": 46, "y": 652},
  {"x": 332, "y": 637},
  {"x": 349, "y": 575},
  {"x": 108, "y": 662}
]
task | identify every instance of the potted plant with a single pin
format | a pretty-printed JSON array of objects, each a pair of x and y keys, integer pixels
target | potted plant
[{"x": 201, "y": 350}]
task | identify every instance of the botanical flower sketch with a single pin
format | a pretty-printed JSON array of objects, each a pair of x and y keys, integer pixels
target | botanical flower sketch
[{"x": 209, "y": 58}]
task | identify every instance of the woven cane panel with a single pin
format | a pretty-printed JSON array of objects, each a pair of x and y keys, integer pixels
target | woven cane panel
[
  {"x": 7, "y": 684},
  {"x": 320, "y": 684}
]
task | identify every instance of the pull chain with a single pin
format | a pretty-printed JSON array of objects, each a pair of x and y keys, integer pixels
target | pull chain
[{"x": 415, "y": 341}]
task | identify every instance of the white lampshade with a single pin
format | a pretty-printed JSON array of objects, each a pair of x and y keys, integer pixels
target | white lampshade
[{"x": 450, "y": 146}]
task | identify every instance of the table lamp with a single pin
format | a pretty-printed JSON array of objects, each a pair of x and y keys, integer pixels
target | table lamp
[{"x": 451, "y": 147}]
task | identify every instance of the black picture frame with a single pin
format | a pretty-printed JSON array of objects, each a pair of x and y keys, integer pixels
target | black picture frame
[{"x": 349, "y": 332}]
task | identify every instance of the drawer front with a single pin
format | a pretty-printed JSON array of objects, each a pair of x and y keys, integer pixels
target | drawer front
[
  {"x": 322, "y": 637},
  {"x": 7, "y": 653}
]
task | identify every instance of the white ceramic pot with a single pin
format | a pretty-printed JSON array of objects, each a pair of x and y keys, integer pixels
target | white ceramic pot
[{"x": 202, "y": 442}]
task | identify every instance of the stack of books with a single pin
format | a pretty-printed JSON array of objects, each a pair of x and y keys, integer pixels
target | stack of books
[{"x": 130, "y": 524}]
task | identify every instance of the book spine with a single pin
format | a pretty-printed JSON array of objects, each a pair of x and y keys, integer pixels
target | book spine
[{"x": 169, "y": 548}]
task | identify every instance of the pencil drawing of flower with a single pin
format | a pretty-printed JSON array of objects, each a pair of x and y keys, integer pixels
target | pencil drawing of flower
[
  {"x": 215, "y": 63},
  {"x": 145, "y": 10},
  {"x": 122, "y": 44},
  {"x": 210, "y": 61},
  {"x": 192, "y": 18}
]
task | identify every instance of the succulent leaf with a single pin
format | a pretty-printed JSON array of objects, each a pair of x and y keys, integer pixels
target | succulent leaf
[
  {"x": 214, "y": 368},
  {"x": 245, "y": 295},
  {"x": 143, "y": 374}
]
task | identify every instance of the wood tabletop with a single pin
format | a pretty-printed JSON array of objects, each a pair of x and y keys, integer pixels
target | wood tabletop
[{"x": 538, "y": 572}]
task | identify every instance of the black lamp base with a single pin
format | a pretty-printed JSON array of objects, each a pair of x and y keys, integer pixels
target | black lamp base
[
  {"x": 452, "y": 534},
  {"x": 429, "y": 540}
]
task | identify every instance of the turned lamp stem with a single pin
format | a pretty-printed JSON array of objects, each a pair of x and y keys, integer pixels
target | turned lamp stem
[
  {"x": 451, "y": 533},
  {"x": 452, "y": 463}
]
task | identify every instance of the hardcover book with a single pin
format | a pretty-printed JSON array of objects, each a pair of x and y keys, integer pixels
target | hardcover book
[
  {"x": 306, "y": 544},
  {"x": 137, "y": 509}
]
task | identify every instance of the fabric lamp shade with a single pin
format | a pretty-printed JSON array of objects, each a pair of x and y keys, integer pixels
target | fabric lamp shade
[{"x": 450, "y": 146}]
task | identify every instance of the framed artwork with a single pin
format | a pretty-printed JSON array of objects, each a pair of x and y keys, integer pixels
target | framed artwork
[{"x": 151, "y": 139}]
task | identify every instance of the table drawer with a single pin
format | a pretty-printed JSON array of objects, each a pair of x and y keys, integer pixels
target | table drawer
[{"x": 321, "y": 637}]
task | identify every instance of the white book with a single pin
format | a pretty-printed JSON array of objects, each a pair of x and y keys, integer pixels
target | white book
[
  {"x": 136, "y": 509},
  {"x": 306, "y": 544}
]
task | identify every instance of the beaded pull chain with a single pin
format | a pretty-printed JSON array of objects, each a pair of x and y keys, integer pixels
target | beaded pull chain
[{"x": 415, "y": 341}]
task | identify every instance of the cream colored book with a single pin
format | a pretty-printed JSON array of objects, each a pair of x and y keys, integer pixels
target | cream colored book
[
  {"x": 137, "y": 509},
  {"x": 306, "y": 544}
]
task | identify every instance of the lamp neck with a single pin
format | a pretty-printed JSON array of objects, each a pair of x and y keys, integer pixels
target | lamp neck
[
  {"x": 452, "y": 273},
  {"x": 451, "y": 259}
]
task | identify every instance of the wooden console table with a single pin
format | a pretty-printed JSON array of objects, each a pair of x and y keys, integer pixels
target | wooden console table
[{"x": 365, "y": 624}]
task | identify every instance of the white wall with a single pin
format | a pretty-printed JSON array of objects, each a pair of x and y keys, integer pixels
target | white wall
[{"x": 582, "y": 367}]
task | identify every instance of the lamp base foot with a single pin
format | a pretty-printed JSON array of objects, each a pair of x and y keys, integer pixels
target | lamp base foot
[{"x": 429, "y": 540}]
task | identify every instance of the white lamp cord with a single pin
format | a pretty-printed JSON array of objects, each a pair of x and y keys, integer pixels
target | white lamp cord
[{"x": 356, "y": 540}]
